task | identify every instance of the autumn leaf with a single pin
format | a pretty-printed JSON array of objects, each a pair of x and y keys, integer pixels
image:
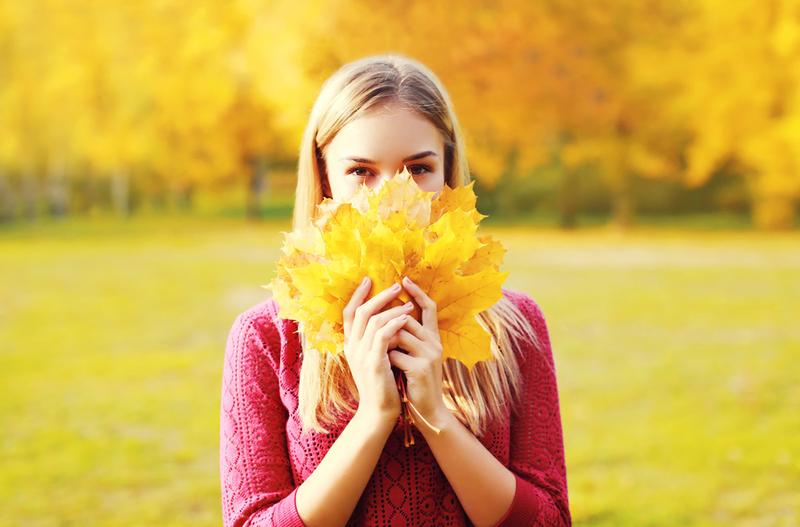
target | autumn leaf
[{"x": 386, "y": 233}]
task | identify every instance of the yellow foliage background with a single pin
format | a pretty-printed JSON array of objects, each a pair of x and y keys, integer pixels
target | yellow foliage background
[
  {"x": 676, "y": 340},
  {"x": 158, "y": 99}
]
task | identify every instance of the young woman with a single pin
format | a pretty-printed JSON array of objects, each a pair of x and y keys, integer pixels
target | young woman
[{"x": 310, "y": 439}]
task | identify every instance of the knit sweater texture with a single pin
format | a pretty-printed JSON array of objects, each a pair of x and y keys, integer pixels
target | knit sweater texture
[{"x": 264, "y": 457}]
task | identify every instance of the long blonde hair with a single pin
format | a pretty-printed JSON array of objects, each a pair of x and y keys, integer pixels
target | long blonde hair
[{"x": 327, "y": 390}]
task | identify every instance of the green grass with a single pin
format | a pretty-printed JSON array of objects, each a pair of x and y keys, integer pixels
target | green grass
[{"x": 677, "y": 354}]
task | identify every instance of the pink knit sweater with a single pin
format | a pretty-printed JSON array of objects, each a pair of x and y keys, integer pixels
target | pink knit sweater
[{"x": 264, "y": 457}]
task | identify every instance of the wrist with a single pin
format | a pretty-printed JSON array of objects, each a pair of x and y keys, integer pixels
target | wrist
[
  {"x": 436, "y": 422},
  {"x": 376, "y": 418}
]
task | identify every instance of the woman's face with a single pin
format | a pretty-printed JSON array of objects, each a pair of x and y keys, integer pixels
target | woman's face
[{"x": 375, "y": 146}]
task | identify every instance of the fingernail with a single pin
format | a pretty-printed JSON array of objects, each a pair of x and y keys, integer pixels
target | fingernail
[
  {"x": 395, "y": 287},
  {"x": 365, "y": 281},
  {"x": 408, "y": 304},
  {"x": 403, "y": 318},
  {"x": 408, "y": 280}
]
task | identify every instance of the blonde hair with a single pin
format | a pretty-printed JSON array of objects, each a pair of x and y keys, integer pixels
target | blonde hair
[{"x": 327, "y": 390}]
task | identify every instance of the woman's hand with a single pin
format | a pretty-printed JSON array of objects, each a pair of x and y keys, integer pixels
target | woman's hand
[
  {"x": 423, "y": 363},
  {"x": 367, "y": 332}
]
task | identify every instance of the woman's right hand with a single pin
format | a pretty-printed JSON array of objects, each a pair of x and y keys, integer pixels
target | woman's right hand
[{"x": 367, "y": 333}]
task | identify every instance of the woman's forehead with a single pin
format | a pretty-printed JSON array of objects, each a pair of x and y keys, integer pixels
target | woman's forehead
[{"x": 384, "y": 135}]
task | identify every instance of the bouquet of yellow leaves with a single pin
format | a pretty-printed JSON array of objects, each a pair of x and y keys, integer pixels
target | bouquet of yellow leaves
[{"x": 393, "y": 231}]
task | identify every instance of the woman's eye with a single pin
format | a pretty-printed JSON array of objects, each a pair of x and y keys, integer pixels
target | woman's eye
[
  {"x": 415, "y": 170},
  {"x": 355, "y": 171},
  {"x": 419, "y": 169}
]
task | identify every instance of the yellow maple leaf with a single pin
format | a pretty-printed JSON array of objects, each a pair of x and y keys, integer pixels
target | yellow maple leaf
[{"x": 386, "y": 233}]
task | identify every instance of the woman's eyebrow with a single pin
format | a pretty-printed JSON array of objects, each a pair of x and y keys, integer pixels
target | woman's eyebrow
[{"x": 420, "y": 155}]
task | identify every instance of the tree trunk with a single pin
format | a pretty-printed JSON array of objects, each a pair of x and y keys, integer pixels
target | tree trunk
[
  {"x": 186, "y": 197},
  {"x": 7, "y": 211},
  {"x": 58, "y": 192},
  {"x": 256, "y": 186},
  {"x": 568, "y": 199},
  {"x": 623, "y": 202},
  {"x": 120, "y": 192},
  {"x": 30, "y": 194},
  {"x": 622, "y": 178}
]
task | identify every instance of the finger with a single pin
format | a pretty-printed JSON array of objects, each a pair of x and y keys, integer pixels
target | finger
[
  {"x": 356, "y": 300},
  {"x": 384, "y": 316},
  {"x": 414, "y": 346},
  {"x": 429, "y": 317},
  {"x": 379, "y": 320},
  {"x": 370, "y": 307},
  {"x": 415, "y": 328},
  {"x": 384, "y": 335},
  {"x": 403, "y": 361}
]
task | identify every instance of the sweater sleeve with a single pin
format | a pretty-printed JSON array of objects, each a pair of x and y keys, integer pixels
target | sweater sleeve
[
  {"x": 537, "y": 447},
  {"x": 256, "y": 479}
]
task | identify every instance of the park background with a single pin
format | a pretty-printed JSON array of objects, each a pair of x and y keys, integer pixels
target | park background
[{"x": 640, "y": 160}]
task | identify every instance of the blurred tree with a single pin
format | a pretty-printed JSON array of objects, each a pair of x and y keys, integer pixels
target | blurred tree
[
  {"x": 162, "y": 97},
  {"x": 735, "y": 71},
  {"x": 530, "y": 78},
  {"x": 125, "y": 89}
]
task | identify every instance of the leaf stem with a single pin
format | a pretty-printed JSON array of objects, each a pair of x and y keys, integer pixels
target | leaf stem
[{"x": 406, "y": 417}]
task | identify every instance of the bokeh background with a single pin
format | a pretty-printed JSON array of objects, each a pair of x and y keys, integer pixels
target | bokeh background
[{"x": 640, "y": 160}]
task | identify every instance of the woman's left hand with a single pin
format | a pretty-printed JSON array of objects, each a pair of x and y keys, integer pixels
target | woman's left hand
[{"x": 423, "y": 362}]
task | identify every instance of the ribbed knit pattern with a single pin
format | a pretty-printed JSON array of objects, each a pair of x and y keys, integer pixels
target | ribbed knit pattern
[{"x": 264, "y": 457}]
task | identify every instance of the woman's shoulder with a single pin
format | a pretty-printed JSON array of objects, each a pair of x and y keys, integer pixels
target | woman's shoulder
[
  {"x": 263, "y": 313},
  {"x": 530, "y": 309},
  {"x": 259, "y": 326},
  {"x": 526, "y": 304}
]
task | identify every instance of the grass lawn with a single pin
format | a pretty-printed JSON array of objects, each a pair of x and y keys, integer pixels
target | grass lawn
[{"x": 677, "y": 354}]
